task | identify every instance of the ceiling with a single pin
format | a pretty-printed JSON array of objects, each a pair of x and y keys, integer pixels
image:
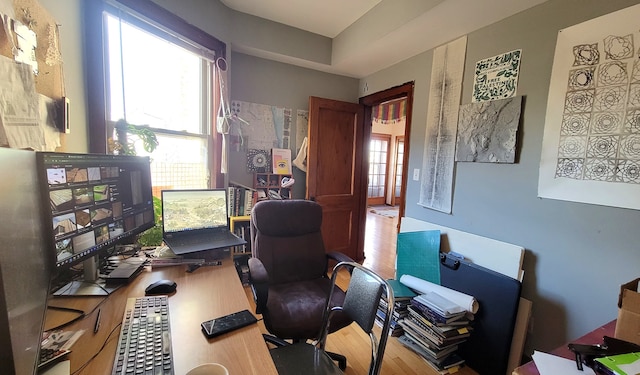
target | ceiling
[{"x": 415, "y": 26}]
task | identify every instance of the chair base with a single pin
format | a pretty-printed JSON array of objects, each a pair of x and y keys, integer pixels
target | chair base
[{"x": 342, "y": 360}]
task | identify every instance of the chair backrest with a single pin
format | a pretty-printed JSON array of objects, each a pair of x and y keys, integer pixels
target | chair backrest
[
  {"x": 361, "y": 304},
  {"x": 287, "y": 238}
]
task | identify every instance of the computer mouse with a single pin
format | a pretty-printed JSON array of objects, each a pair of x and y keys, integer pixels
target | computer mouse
[{"x": 161, "y": 287}]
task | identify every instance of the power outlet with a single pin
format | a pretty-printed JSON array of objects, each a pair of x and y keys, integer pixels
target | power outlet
[{"x": 416, "y": 174}]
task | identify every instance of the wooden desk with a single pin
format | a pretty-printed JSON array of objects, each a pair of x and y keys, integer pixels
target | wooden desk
[
  {"x": 206, "y": 293},
  {"x": 593, "y": 337}
]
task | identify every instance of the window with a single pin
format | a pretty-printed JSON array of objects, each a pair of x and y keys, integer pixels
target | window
[
  {"x": 378, "y": 164},
  {"x": 157, "y": 83},
  {"x": 156, "y": 75}
]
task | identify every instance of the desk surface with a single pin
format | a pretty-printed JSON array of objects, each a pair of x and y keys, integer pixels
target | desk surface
[
  {"x": 206, "y": 293},
  {"x": 593, "y": 337}
]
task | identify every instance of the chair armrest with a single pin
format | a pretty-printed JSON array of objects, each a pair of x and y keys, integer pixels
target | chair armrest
[
  {"x": 339, "y": 257},
  {"x": 259, "y": 280}
]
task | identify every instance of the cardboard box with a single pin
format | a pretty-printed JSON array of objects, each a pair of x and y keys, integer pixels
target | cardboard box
[{"x": 628, "y": 324}]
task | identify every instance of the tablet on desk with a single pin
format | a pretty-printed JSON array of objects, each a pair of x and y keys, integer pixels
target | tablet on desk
[{"x": 216, "y": 327}]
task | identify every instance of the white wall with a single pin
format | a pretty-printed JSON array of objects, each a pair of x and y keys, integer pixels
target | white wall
[{"x": 68, "y": 14}]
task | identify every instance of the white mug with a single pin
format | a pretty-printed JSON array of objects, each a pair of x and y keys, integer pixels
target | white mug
[{"x": 209, "y": 369}]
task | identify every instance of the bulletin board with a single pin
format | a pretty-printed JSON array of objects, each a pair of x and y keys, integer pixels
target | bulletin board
[{"x": 49, "y": 79}]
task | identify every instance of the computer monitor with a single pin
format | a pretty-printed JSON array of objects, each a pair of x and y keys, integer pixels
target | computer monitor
[
  {"x": 94, "y": 201},
  {"x": 25, "y": 263}
]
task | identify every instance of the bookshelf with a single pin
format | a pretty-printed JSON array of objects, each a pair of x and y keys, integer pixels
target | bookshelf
[
  {"x": 264, "y": 183},
  {"x": 239, "y": 225}
]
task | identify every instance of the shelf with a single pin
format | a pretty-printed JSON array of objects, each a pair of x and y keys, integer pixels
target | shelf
[{"x": 269, "y": 186}]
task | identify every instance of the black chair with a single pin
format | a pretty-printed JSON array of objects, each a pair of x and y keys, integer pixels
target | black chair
[
  {"x": 361, "y": 303},
  {"x": 288, "y": 271}
]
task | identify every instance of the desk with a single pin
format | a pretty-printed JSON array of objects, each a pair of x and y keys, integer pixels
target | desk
[
  {"x": 593, "y": 337},
  {"x": 206, "y": 293}
]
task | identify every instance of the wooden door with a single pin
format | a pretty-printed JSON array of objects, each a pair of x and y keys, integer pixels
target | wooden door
[{"x": 336, "y": 177}]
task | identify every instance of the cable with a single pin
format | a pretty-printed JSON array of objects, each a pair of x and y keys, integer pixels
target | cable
[
  {"x": 81, "y": 314},
  {"x": 68, "y": 309},
  {"x": 104, "y": 344}
]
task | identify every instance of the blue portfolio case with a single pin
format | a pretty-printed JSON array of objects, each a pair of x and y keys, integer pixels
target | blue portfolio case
[{"x": 498, "y": 296}]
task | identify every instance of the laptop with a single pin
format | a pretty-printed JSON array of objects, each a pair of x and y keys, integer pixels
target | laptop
[{"x": 196, "y": 220}]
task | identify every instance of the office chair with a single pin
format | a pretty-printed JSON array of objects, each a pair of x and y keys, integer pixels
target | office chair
[
  {"x": 288, "y": 271},
  {"x": 361, "y": 303}
]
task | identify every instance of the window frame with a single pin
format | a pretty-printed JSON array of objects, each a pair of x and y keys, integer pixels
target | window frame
[{"x": 97, "y": 73}]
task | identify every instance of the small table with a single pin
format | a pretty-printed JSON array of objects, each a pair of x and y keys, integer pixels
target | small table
[{"x": 593, "y": 337}]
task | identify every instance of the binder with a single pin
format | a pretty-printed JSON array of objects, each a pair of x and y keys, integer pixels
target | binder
[{"x": 487, "y": 349}]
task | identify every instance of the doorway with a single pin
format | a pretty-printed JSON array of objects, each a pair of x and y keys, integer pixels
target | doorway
[{"x": 397, "y": 161}]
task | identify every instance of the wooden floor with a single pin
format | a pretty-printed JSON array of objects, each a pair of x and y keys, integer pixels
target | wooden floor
[{"x": 380, "y": 248}]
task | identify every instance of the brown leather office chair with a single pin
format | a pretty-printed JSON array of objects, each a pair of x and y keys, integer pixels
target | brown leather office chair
[{"x": 288, "y": 271}]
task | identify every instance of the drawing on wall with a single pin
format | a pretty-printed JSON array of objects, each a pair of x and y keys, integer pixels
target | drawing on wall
[
  {"x": 591, "y": 143},
  {"x": 497, "y": 77},
  {"x": 436, "y": 186},
  {"x": 258, "y": 161},
  {"x": 267, "y": 126},
  {"x": 302, "y": 127},
  {"x": 487, "y": 131}
]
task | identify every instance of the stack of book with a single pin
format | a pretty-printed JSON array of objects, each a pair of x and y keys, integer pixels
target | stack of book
[
  {"x": 402, "y": 295},
  {"x": 433, "y": 328},
  {"x": 400, "y": 311}
]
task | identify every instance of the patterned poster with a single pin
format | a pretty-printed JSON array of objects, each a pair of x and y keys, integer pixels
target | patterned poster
[
  {"x": 591, "y": 144},
  {"x": 497, "y": 77}
]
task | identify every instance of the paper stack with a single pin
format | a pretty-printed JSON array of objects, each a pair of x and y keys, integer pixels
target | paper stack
[{"x": 433, "y": 328}]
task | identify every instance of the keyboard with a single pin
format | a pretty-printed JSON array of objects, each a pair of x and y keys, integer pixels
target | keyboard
[{"x": 144, "y": 346}]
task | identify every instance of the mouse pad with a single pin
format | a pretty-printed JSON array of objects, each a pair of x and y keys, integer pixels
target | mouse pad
[{"x": 216, "y": 327}]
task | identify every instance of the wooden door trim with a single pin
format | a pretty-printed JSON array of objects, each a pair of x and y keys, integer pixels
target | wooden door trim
[{"x": 404, "y": 90}]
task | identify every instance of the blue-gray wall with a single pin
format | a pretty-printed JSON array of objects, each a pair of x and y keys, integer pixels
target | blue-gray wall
[{"x": 577, "y": 255}]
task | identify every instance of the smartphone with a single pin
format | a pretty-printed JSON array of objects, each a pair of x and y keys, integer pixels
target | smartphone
[{"x": 216, "y": 327}]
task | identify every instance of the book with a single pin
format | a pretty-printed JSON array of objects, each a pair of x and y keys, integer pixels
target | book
[
  {"x": 281, "y": 160},
  {"x": 407, "y": 341},
  {"x": 425, "y": 332},
  {"x": 433, "y": 316},
  {"x": 401, "y": 291},
  {"x": 440, "y": 304},
  {"x": 444, "y": 331}
]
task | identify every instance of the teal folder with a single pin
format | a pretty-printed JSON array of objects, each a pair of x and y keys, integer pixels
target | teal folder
[
  {"x": 418, "y": 255},
  {"x": 401, "y": 291}
]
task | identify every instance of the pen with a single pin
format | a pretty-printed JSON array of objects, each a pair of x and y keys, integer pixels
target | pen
[{"x": 96, "y": 326}]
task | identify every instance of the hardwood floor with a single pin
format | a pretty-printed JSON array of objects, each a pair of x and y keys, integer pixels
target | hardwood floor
[{"x": 380, "y": 249}]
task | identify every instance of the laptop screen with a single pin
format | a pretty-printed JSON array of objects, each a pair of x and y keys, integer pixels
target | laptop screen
[{"x": 186, "y": 210}]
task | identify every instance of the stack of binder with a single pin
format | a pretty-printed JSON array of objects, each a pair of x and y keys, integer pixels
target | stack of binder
[{"x": 433, "y": 328}]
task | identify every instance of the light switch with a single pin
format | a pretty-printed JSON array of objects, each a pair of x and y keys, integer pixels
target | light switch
[{"x": 416, "y": 174}]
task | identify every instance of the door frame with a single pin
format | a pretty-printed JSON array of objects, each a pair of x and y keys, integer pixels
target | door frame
[{"x": 405, "y": 90}]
